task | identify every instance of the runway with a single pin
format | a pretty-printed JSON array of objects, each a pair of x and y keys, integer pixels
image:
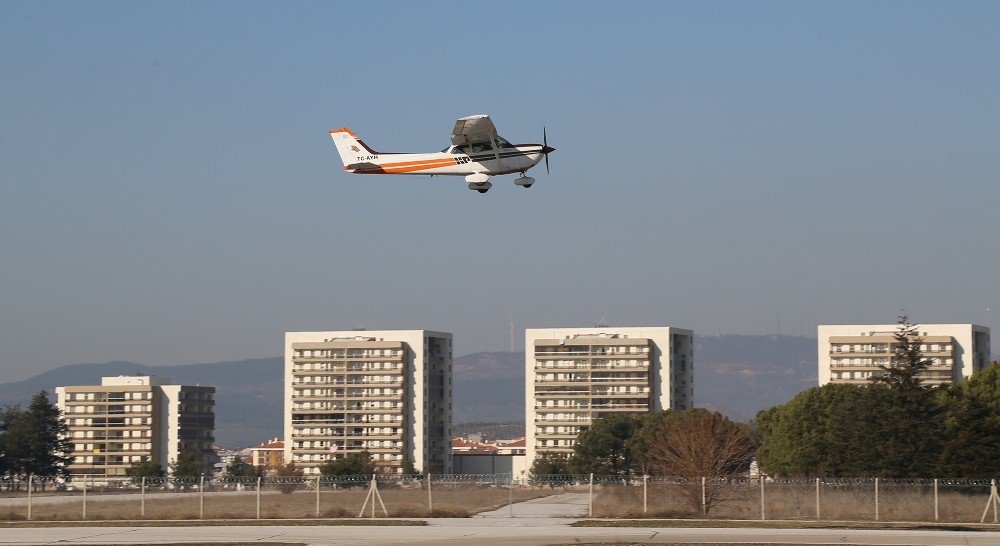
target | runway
[{"x": 522, "y": 532}]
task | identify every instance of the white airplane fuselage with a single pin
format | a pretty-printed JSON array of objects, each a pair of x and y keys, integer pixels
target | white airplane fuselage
[
  {"x": 477, "y": 160},
  {"x": 515, "y": 159}
]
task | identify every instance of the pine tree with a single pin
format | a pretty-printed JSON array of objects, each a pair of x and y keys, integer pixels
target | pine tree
[
  {"x": 186, "y": 465},
  {"x": 237, "y": 468},
  {"x": 13, "y": 440},
  {"x": 605, "y": 447},
  {"x": 352, "y": 464},
  {"x": 144, "y": 469},
  {"x": 907, "y": 362},
  {"x": 49, "y": 446}
]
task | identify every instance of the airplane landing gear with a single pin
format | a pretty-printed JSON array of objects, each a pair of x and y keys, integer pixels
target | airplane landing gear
[
  {"x": 524, "y": 181},
  {"x": 479, "y": 182}
]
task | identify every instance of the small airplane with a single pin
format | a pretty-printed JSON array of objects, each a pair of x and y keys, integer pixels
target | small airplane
[{"x": 477, "y": 152}]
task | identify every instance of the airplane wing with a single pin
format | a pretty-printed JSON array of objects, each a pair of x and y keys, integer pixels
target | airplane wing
[{"x": 473, "y": 129}]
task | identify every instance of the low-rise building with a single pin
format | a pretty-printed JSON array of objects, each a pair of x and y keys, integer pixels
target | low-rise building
[{"x": 270, "y": 454}]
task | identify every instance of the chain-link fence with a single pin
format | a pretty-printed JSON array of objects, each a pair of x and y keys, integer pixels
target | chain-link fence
[{"x": 818, "y": 499}]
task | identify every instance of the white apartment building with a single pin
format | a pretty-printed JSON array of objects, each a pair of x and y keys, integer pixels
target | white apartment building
[
  {"x": 852, "y": 353},
  {"x": 387, "y": 392},
  {"x": 576, "y": 375},
  {"x": 130, "y": 418}
]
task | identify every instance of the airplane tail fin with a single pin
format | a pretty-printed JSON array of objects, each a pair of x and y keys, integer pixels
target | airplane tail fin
[{"x": 351, "y": 149}]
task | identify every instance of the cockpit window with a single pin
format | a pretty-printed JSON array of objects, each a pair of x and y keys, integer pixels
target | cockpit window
[
  {"x": 481, "y": 147},
  {"x": 502, "y": 142},
  {"x": 463, "y": 149}
]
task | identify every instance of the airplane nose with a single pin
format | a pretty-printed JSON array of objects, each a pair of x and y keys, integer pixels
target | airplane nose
[{"x": 547, "y": 149}]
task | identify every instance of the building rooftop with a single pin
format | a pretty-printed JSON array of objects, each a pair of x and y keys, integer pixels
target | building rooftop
[{"x": 275, "y": 443}]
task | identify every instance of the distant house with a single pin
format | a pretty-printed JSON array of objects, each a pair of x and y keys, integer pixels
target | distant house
[
  {"x": 500, "y": 457},
  {"x": 270, "y": 454},
  {"x": 512, "y": 447}
]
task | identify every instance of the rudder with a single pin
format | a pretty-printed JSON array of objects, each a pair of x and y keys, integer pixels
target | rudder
[{"x": 350, "y": 148}]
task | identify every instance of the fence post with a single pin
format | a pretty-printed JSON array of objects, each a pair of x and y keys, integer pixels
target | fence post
[
  {"x": 704, "y": 498},
  {"x": 430, "y": 498},
  {"x": 84, "y": 497},
  {"x": 876, "y": 499},
  {"x": 317, "y": 495},
  {"x": 763, "y": 514},
  {"x": 644, "y": 495},
  {"x": 258, "y": 497},
  {"x": 935, "y": 499},
  {"x": 510, "y": 496},
  {"x": 590, "y": 504},
  {"x": 201, "y": 497},
  {"x": 817, "y": 498},
  {"x": 31, "y": 485},
  {"x": 142, "y": 497}
]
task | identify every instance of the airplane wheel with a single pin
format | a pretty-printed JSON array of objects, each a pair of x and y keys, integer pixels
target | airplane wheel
[
  {"x": 482, "y": 191},
  {"x": 526, "y": 186}
]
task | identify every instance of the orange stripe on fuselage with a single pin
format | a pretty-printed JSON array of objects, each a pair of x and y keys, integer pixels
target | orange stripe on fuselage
[{"x": 411, "y": 166}]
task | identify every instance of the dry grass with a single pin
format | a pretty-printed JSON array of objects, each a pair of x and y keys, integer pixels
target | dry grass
[
  {"x": 340, "y": 503},
  {"x": 788, "y": 502}
]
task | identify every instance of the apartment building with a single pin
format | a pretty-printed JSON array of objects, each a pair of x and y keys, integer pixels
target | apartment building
[
  {"x": 853, "y": 353},
  {"x": 387, "y": 392},
  {"x": 127, "y": 419},
  {"x": 576, "y": 375}
]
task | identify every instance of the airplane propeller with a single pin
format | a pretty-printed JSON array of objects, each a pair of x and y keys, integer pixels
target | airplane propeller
[{"x": 546, "y": 149}]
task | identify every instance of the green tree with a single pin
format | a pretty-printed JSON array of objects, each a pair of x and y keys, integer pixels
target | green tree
[
  {"x": 33, "y": 441},
  {"x": 972, "y": 426},
  {"x": 891, "y": 428},
  {"x": 48, "y": 448},
  {"x": 907, "y": 362},
  {"x": 548, "y": 464},
  {"x": 238, "y": 468},
  {"x": 14, "y": 439},
  {"x": 289, "y": 478},
  {"x": 408, "y": 468},
  {"x": 144, "y": 469},
  {"x": 186, "y": 465},
  {"x": 605, "y": 447},
  {"x": 351, "y": 464},
  {"x": 909, "y": 431}
]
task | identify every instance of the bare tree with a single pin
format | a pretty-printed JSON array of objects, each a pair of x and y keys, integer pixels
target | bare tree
[{"x": 695, "y": 444}]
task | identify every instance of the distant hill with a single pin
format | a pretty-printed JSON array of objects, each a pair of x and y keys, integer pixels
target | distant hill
[
  {"x": 738, "y": 375},
  {"x": 741, "y": 375},
  {"x": 248, "y": 399},
  {"x": 491, "y": 431},
  {"x": 488, "y": 387}
]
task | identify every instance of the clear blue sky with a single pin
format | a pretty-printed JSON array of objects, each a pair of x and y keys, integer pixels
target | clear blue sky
[{"x": 169, "y": 193}]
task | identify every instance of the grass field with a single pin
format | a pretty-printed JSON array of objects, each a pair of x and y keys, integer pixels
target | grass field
[
  {"x": 460, "y": 502},
  {"x": 794, "y": 502}
]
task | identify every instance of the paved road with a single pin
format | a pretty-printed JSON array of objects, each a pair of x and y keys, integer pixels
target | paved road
[
  {"x": 484, "y": 531},
  {"x": 566, "y": 505}
]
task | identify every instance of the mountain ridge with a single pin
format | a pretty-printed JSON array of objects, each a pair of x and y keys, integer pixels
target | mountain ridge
[{"x": 737, "y": 375}]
